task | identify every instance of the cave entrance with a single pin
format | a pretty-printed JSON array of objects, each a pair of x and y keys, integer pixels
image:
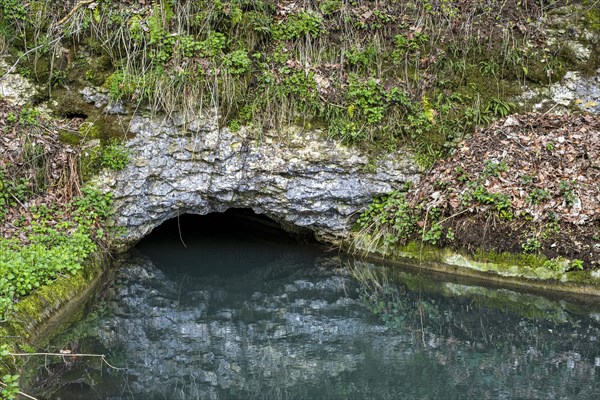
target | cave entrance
[{"x": 233, "y": 241}]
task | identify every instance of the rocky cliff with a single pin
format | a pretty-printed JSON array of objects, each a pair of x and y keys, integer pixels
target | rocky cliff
[{"x": 296, "y": 178}]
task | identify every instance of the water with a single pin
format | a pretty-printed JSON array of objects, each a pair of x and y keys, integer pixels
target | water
[{"x": 244, "y": 315}]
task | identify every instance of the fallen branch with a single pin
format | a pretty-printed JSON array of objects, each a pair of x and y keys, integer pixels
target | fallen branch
[
  {"x": 74, "y": 10},
  {"x": 101, "y": 356}
]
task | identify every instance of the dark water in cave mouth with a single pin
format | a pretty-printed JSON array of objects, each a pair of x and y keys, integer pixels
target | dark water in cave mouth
[{"x": 245, "y": 312}]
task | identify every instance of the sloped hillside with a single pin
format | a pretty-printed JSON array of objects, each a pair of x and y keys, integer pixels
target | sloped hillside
[{"x": 526, "y": 184}]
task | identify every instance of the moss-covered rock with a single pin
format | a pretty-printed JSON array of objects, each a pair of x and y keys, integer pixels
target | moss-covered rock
[
  {"x": 523, "y": 270},
  {"x": 49, "y": 309}
]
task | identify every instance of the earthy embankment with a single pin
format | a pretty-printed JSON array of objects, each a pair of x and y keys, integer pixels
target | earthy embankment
[
  {"x": 519, "y": 199},
  {"x": 526, "y": 183}
]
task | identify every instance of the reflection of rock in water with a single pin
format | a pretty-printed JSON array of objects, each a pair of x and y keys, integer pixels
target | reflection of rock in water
[
  {"x": 195, "y": 336},
  {"x": 293, "y": 330}
]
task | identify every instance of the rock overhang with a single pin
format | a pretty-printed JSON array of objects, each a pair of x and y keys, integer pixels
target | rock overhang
[{"x": 297, "y": 178}]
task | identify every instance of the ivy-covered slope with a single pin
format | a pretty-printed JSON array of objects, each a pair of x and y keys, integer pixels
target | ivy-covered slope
[
  {"x": 382, "y": 74},
  {"x": 49, "y": 224}
]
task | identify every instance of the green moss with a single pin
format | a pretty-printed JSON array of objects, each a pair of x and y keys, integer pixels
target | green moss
[
  {"x": 69, "y": 137},
  {"x": 90, "y": 161},
  {"x": 506, "y": 258},
  {"x": 98, "y": 125},
  {"x": 592, "y": 15},
  {"x": 521, "y": 269},
  {"x": 49, "y": 309},
  {"x": 89, "y": 130}
]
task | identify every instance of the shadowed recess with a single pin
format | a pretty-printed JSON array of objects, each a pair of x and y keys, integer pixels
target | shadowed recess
[{"x": 235, "y": 241}]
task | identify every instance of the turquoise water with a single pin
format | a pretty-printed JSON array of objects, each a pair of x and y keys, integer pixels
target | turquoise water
[{"x": 225, "y": 308}]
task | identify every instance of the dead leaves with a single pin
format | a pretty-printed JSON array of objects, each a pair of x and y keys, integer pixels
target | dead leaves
[
  {"x": 33, "y": 152},
  {"x": 551, "y": 154}
]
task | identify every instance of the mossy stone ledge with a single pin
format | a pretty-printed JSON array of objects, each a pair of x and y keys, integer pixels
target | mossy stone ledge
[
  {"x": 516, "y": 270},
  {"x": 44, "y": 313}
]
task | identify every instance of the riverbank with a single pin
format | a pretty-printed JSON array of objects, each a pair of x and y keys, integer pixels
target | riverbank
[
  {"x": 518, "y": 199},
  {"x": 509, "y": 270},
  {"x": 53, "y": 237},
  {"x": 405, "y": 80}
]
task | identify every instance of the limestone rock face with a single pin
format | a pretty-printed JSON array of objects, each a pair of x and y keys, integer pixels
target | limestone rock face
[
  {"x": 296, "y": 178},
  {"x": 14, "y": 88}
]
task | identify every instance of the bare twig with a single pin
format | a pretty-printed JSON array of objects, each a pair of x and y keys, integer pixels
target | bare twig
[
  {"x": 63, "y": 355},
  {"x": 12, "y": 68},
  {"x": 19, "y": 392},
  {"x": 74, "y": 10}
]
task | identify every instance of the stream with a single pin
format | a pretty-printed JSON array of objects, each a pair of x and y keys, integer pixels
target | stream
[{"x": 228, "y": 307}]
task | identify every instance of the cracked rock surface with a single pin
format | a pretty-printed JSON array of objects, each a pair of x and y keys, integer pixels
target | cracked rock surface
[{"x": 296, "y": 178}]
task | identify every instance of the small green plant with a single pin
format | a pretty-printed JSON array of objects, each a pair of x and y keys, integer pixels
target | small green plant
[
  {"x": 390, "y": 211},
  {"x": 526, "y": 179},
  {"x": 13, "y": 11},
  {"x": 93, "y": 207},
  {"x": 234, "y": 125},
  {"x": 299, "y": 25},
  {"x": 462, "y": 176},
  {"x": 576, "y": 264},
  {"x": 537, "y": 196},
  {"x": 494, "y": 168},
  {"x": 328, "y": 7},
  {"x": 29, "y": 116},
  {"x": 10, "y": 387},
  {"x": 475, "y": 116},
  {"x": 532, "y": 245},
  {"x": 12, "y": 192},
  {"x": 477, "y": 193},
  {"x": 115, "y": 156},
  {"x": 11, "y": 117},
  {"x": 434, "y": 234},
  {"x": 371, "y": 100},
  {"x": 237, "y": 62},
  {"x": 559, "y": 264},
  {"x": 405, "y": 45},
  {"x": 499, "y": 108},
  {"x": 362, "y": 57},
  {"x": 489, "y": 68},
  {"x": 567, "y": 191}
]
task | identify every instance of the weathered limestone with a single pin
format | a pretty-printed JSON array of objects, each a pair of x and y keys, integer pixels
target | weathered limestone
[{"x": 295, "y": 178}]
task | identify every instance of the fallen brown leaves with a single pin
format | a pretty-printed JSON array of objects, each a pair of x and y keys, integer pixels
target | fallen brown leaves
[
  {"x": 31, "y": 151},
  {"x": 552, "y": 175}
]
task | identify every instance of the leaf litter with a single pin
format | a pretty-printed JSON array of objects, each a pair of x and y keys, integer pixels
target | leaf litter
[{"x": 548, "y": 166}]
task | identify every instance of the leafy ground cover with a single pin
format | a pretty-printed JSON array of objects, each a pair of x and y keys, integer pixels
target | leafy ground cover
[
  {"x": 378, "y": 74},
  {"x": 49, "y": 224},
  {"x": 526, "y": 184}
]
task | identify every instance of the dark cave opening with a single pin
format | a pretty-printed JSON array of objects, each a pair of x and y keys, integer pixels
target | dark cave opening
[{"x": 235, "y": 240}]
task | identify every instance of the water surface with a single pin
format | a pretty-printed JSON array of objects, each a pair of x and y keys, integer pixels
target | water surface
[{"x": 244, "y": 312}]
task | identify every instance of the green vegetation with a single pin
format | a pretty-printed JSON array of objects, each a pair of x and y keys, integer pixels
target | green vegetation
[
  {"x": 390, "y": 217},
  {"x": 10, "y": 387},
  {"x": 114, "y": 156},
  {"x": 537, "y": 195},
  {"x": 12, "y": 192},
  {"x": 51, "y": 229},
  {"x": 380, "y": 75},
  {"x": 474, "y": 201},
  {"x": 52, "y": 249}
]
